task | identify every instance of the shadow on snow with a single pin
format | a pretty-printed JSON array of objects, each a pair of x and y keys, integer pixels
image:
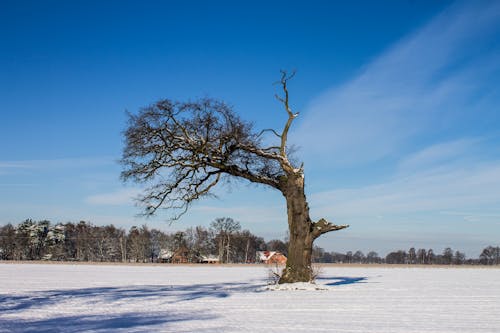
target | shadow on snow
[
  {"x": 96, "y": 297},
  {"x": 342, "y": 280},
  {"x": 138, "y": 321},
  {"x": 165, "y": 293}
]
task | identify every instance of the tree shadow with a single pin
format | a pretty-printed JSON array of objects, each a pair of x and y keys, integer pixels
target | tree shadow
[
  {"x": 13, "y": 306},
  {"x": 136, "y": 321},
  {"x": 167, "y": 294},
  {"x": 342, "y": 280}
]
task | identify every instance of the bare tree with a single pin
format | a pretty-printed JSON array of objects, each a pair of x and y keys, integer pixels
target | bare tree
[
  {"x": 358, "y": 257},
  {"x": 447, "y": 257},
  {"x": 223, "y": 228},
  {"x": 490, "y": 256},
  {"x": 277, "y": 245},
  {"x": 459, "y": 258},
  {"x": 412, "y": 256},
  {"x": 7, "y": 242},
  {"x": 373, "y": 258},
  {"x": 139, "y": 244},
  {"x": 421, "y": 256},
  {"x": 431, "y": 257},
  {"x": 396, "y": 257},
  {"x": 181, "y": 151},
  {"x": 199, "y": 241}
]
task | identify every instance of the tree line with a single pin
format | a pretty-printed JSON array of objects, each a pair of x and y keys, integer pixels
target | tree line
[
  {"x": 83, "y": 241},
  {"x": 224, "y": 239},
  {"x": 489, "y": 256}
]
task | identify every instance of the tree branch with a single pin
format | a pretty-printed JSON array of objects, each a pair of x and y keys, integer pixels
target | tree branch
[
  {"x": 291, "y": 116},
  {"x": 235, "y": 170},
  {"x": 183, "y": 149},
  {"x": 323, "y": 226},
  {"x": 269, "y": 130}
]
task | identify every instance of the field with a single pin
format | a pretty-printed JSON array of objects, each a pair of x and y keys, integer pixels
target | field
[{"x": 166, "y": 298}]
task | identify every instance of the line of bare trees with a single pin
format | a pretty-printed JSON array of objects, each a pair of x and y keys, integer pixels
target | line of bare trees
[
  {"x": 224, "y": 239},
  {"x": 83, "y": 241},
  {"x": 489, "y": 256}
]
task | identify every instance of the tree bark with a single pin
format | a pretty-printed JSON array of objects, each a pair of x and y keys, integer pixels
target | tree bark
[
  {"x": 298, "y": 266},
  {"x": 303, "y": 231}
]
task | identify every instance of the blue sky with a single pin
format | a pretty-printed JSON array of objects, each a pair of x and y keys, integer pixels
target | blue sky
[{"x": 399, "y": 125}]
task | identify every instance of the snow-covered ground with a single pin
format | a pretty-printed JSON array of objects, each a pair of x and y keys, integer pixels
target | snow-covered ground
[{"x": 167, "y": 298}]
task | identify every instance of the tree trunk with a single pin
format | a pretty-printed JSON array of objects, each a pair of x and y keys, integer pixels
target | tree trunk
[
  {"x": 221, "y": 247},
  {"x": 298, "y": 266},
  {"x": 246, "y": 250},
  {"x": 228, "y": 248}
]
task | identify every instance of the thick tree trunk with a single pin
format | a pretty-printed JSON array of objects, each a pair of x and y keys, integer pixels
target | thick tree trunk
[{"x": 298, "y": 266}]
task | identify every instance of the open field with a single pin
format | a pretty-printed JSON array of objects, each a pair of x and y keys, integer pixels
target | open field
[{"x": 202, "y": 298}]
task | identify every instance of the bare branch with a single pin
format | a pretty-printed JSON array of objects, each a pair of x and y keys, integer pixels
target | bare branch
[
  {"x": 323, "y": 226},
  {"x": 269, "y": 130},
  {"x": 185, "y": 148},
  {"x": 291, "y": 116}
]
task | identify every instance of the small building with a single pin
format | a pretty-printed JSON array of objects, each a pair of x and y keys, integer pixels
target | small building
[
  {"x": 181, "y": 256},
  {"x": 165, "y": 256},
  {"x": 271, "y": 257},
  {"x": 210, "y": 259}
]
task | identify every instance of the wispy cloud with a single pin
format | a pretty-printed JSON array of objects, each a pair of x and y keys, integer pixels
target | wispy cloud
[
  {"x": 17, "y": 185},
  {"x": 82, "y": 162},
  {"x": 14, "y": 165},
  {"x": 425, "y": 84},
  {"x": 116, "y": 198},
  {"x": 438, "y": 153},
  {"x": 430, "y": 104},
  {"x": 446, "y": 178},
  {"x": 430, "y": 191}
]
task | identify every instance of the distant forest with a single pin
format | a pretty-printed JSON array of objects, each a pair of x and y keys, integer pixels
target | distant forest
[{"x": 224, "y": 239}]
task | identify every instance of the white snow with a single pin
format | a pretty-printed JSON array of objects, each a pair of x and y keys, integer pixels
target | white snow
[
  {"x": 297, "y": 286},
  {"x": 216, "y": 298}
]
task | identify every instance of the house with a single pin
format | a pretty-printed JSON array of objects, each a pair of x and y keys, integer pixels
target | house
[
  {"x": 210, "y": 259},
  {"x": 165, "y": 256},
  {"x": 181, "y": 256},
  {"x": 271, "y": 257}
]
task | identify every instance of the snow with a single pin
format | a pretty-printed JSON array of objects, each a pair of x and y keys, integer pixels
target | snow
[
  {"x": 297, "y": 286},
  {"x": 217, "y": 298}
]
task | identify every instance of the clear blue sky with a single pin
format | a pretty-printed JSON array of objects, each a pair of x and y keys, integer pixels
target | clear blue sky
[{"x": 399, "y": 123}]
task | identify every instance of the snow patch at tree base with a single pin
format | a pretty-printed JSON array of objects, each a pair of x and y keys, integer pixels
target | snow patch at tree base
[{"x": 297, "y": 286}]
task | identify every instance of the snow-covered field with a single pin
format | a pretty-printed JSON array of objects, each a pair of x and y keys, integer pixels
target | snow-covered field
[{"x": 115, "y": 298}]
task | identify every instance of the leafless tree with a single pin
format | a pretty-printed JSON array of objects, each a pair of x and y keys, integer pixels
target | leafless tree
[
  {"x": 358, "y": 257},
  {"x": 431, "y": 257},
  {"x": 421, "y": 256},
  {"x": 7, "y": 242},
  {"x": 412, "y": 256},
  {"x": 447, "y": 257},
  {"x": 139, "y": 244},
  {"x": 459, "y": 258},
  {"x": 373, "y": 258},
  {"x": 223, "y": 229},
  {"x": 181, "y": 151}
]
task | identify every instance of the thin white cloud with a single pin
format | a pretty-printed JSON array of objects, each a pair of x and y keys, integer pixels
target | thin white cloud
[
  {"x": 14, "y": 165},
  {"x": 438, "y": 153},
  {"x": 116, "y": 198},
  {"x": 432, "y": 191},
  {"x": 426, "y": 81},
  {"x": 81, "y": 162}
]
